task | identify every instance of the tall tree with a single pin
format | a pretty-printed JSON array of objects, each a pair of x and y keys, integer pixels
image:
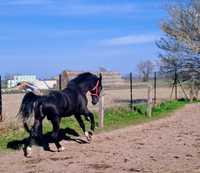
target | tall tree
[
  {"x": 170, "y": 59},
  {"x": 184, "y": 24},
  {"x": 181, "y": 44},
  {"x": 145, "y": 69}
]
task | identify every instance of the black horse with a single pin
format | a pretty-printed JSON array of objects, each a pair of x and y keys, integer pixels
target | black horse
[{"x": 57, "y": 104}]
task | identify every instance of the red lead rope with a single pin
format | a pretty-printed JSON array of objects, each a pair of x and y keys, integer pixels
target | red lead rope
[{"x": 95, "y": 89}]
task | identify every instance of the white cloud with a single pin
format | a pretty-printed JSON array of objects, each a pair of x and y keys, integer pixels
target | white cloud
[
  {"x": 25, "y": 2},
  {"x": 100, "y": 9},
  {"x": 63, "y": 8},
  {"x": 131, "y": 39}
]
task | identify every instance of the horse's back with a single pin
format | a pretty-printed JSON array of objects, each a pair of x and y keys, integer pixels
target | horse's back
[{"x": 58, "y": 103}]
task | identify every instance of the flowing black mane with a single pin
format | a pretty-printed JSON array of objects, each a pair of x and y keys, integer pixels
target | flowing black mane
[
  {"x": 83, "y": 77},
  {"x": 83, "y": 81}
]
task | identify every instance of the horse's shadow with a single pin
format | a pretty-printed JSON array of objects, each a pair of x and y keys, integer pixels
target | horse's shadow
[{"x": 64, "y": 134}]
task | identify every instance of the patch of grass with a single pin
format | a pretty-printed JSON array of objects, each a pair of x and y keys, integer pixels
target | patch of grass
[
  {"x": 122, "y": 116},
  {"x": 114, "y": 118},
  {"x": 165, "y": 108}
]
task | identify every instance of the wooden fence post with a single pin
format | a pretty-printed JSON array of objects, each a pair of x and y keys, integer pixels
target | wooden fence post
[
  {"x": 175, "y": 81},
  {"x": 149, "y": 101},
  {"x": 131, "y": 91},
  {"x": 101, "y": 110},
  {"x": 155, "y": 88},
  {"x": 1, "y": 116},
  {"x": 60, "y": 82}
]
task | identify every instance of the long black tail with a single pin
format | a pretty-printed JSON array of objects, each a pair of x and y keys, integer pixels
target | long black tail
[{"x": 26, "y": 110}]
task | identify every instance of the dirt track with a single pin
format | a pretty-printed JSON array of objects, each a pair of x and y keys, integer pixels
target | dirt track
[{"x": 170, "y": 145}]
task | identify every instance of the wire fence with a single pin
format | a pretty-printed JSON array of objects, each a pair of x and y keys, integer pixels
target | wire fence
[{"x": 131, "y": 93}]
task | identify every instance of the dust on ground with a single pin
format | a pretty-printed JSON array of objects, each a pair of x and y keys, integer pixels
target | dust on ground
[{"x": 170, "y": 145}]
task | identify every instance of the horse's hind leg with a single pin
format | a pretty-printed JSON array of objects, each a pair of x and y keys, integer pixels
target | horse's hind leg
[
  {"x": 55, "y": 120},
  {"x": 36, "y": 133}
]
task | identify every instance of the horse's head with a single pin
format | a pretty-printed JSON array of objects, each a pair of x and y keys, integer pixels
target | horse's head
[
  {"x": 88, "y": 82},
  {"x": 96, "y": 90}
]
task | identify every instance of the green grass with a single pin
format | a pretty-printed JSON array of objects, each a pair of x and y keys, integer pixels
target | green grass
[
  {"x": 122, "y": 116},
  {"x": 118, "y": 117}
]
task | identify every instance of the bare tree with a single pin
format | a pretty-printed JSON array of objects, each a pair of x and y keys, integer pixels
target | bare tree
[
  {"x": 145, "y": 69},
  {"x": 182, "y": 42},
  {"x": 103, "y": 69},
  {"x": 171, "y": 59},
  {"x": 184, "y": 24}
]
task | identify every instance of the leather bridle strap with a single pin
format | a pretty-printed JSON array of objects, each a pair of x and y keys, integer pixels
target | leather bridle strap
[{"x": 95, "y": 89}]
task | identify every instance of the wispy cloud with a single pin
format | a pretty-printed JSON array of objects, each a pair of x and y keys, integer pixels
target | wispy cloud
[
  {"x": 101, "y": 9},
  {"x": 36, "y": 34},
  {"x": 24, "y": 2},
  {"x": 130, "y": 40},
  {"x": 63, "y": 8}
]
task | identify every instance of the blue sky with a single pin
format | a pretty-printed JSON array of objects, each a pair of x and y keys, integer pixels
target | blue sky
[{"x": 44, "y": 37}]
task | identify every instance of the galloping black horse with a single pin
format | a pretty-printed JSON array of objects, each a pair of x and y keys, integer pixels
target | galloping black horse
[{"x": 57, "y": 104}]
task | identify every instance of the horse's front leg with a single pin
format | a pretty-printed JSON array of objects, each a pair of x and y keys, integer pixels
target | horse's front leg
[
  {"x": 82, "y": 125},
  {"x": 92, "y": 121},
  {"x": 56, "y": 127}
]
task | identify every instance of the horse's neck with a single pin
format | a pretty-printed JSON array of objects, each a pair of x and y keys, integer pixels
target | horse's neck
[{"x": 82, "y": 88}]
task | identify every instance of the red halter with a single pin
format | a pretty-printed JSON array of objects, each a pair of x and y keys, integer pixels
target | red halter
[{"x": 96, "y": 90}]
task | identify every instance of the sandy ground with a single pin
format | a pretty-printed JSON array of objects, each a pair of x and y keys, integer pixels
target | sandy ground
[{"x": 170, "y": 145}]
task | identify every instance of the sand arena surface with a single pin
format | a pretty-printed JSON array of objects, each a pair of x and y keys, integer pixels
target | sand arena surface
[{"x": 170, "y": 145}]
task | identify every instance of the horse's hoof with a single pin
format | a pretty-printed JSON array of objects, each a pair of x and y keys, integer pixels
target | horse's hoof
[
  {"x": 28, "y": 152},
  {"x": 61, "y": 149},
  {"x": 88, "y": 136},
  {"x": 90, "y": 133},
  {"x": 47, "y": 148}
]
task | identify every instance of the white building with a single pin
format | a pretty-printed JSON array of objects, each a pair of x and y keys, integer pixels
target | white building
[
  {"x": 45, "y": 84},
  {"x": 19, "y": 78},
  {"x": 41, "y": 84}
]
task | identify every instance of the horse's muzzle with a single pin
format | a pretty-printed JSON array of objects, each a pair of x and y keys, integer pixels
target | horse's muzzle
[{"x": 95, "y": 99}]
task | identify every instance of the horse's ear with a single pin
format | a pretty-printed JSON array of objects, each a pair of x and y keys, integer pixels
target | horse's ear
[{"x": 100, "y": 77}]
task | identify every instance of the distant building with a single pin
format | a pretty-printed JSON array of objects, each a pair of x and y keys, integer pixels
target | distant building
[
  {"x": 45, "y": 84},
  {"x": 19, "y": 78},
  {"x": 41, "y": 84}
]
